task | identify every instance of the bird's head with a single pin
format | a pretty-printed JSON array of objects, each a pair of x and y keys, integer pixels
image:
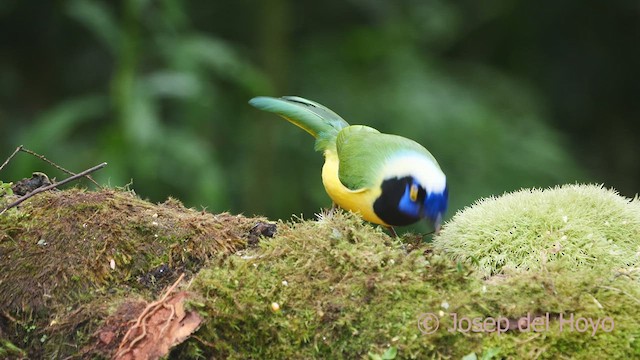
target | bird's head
[
  {"x": 419, "y": 203},
  {"x": 415, "y": 188}
]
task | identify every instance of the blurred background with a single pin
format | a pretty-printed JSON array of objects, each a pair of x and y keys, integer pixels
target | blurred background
[{"x": 505, "y": 94}]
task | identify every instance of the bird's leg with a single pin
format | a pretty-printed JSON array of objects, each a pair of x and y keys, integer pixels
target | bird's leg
[{"x": 392, "y": 231}]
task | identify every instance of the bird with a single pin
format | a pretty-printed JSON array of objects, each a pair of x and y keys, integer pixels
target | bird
[{"x": 387, "y": 179}]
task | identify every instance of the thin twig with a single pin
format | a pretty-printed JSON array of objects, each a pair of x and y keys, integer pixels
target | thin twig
[
  {"x": 529, "y": 339},
  {"x": 203, "y": 341},
  {"x": 41, "y": 157},
  {"x": 49, "y": 187},
  {"x": 11, "y": 156},
  {"x": 9, "y": 317}
]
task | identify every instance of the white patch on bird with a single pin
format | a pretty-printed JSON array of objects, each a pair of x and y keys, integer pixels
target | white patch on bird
[{"x": 423, "y": 169}]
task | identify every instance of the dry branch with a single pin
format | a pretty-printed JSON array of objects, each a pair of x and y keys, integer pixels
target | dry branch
[
  {"x": 11, "y": 157},
  {"x": 41, "y": 157},
  {"x": 43, "y": 189}
]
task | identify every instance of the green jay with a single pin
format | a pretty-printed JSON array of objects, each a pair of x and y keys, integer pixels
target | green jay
[{"x": 387, "y": 179}]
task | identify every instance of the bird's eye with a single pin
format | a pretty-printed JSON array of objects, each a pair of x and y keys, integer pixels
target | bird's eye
[{"x": 413, "y": 192}]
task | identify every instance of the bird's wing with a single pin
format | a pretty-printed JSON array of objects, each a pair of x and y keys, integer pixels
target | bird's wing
[{"x": 364, "y": 152}]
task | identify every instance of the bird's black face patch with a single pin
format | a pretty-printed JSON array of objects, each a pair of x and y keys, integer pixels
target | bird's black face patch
[{"x": 401, "y": 201}]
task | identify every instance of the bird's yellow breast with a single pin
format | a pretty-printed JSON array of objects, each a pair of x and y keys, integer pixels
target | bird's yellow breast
[{"x": 359, "y": 201}]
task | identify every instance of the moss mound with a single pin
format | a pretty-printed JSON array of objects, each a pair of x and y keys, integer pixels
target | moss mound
[
  {"x": 337, "y": 288},
  {"x": 69, "y": 257},
  {"x": 585, "y": 226}
]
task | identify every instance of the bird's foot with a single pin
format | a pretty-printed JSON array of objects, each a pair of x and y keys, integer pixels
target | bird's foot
[{"x": 392, "y": 231}]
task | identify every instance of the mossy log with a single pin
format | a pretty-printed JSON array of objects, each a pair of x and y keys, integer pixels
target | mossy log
[
  {"x": 81, "y": 271},
  {"x": 70, "y": 258}
]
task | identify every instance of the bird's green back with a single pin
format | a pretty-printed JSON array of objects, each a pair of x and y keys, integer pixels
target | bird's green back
[{"x": 364, "y": 151}]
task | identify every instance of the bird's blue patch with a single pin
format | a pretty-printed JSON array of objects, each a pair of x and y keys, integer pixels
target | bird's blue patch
[
  {"x": 436, "y": 204},
  {"x": 409, "y": 207}
]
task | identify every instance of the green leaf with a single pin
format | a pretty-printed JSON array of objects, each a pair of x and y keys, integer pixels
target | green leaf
[
  {"x": 58, "y": 123},
  {"x": 5, "y": 188},
  {"x": 96, "y": 17},
  {"x": 390, "y": 354},
  {"x": 470, "y": 356},
  {"x": 490, "y": 353}
]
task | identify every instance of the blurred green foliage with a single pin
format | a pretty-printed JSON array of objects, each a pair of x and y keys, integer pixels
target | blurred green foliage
[{"x": 504, "y": 94}]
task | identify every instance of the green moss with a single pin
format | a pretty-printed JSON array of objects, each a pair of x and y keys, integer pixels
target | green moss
[
  {"x": 74, "y": 242},
  {"x": 327, "y": 278},
  {"x": 346, "y": 290},
  {"x": 9, "y": 350},
  {"x": 586, "y": 226},
  {"x": 65, "y": 253},
  {"x": 332, "y": 288}
]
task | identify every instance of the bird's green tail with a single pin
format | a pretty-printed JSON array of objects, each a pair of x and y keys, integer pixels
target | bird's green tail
[{"x": 312, "y": 117}]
